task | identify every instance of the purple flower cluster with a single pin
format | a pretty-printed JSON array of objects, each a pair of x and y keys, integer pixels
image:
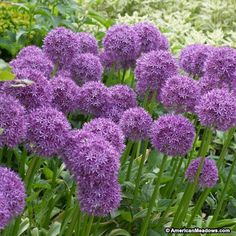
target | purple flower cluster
[
  {"x": 47, "y": 131},
  {"x": 93, "y": 98},
  {"x": 122, "y": 98},
  {"x": 193, "y": 57},
  {"x": 65, "y": 94},
  {"x": 12, "y": 121},
  {"x": 217, "y": 109},
  {"x": 86, "y": 67},
  {"x": 87, "y": 43},
  {"x": 31, "y": 88},
  {"x": 12, "y": 196},
  {"x": 220, "y": 69},
  {"x": 208, "y": 175},
  {"x": 60, "y": 46},
  {"x": 136, "y": 123},
  {"x": 180, "y": 94},
  {"x": 31, "y": 58},
  {"x": 172, "y": 134},
  {"x": 107, "y": 129},
  {"x": 94, "y": 162},
  {"x": 122, "y": 44},
  {"x": 153, "y": 69},
  {"x": 150, "y": 37}
]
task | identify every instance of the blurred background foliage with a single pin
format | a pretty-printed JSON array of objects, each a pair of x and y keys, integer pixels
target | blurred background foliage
[{"x": 182, "y": 21}]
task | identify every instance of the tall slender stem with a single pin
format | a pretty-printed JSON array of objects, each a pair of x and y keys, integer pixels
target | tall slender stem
[
  {"x": 133, "y": 155},
  {"x": 89, "y": 225},
  {"x": 139, "y": 175},
  {"x": 75, "y": 217},
  {"x": 126, "y": 152},
  {"x": 154, "y": 197}
]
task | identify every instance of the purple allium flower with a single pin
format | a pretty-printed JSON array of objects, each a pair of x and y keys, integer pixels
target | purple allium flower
[
  {"x": 65, "y": 94},
  {"x": 153, "y": 69},
  {"x": 150, "y": 37},
  {"x": 12, "y": 121},
  {"x": 172, "y": 134},
  {"x": 5, "y": 215},
  {"x": 107, "y": 129},
  {"x": 122, "y": 98},
  {"x": 75, "y": 139},
  {"x": 31, "y": 88},
  {"x": 220, "y": 66},
  {"x": 33, "y": 61},
  {"x": 47, "y": 131},
  {"x": 136, "y": 123},
  {"x": 90, "y": 157},
  {"x": 180, "y": 94},
  {"x": 94, "y": 98},
  {"x": 60, "y": 46},
  {"x": 87, "y": 43},
  {"x": 86, "y": 67},
  {"x": 193, "y": 57},
  {"x": 12, "y": 187},
  {"x": 99, "y": 200},
  {"x": 217, "y": 109},
  {"x": 29, "y": 50},
  {"x": 123, "y": 44},
  {"x": 209, "y": 173}
]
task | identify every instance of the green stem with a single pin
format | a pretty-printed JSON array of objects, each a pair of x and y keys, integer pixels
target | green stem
[
  {"x": 126, "y": 153},
  {"x": 133, "y": 155},
  {"x": 152, "y": 103},
  {"x": 139, "y": 175},
  {"x": 85, "y": 221},
  {"x": 96, "y": 226},
  {"x": 221, "y": 200},
  {"x": 78, "y": 225},
  {"x": 145, "y": 101},
  {"x": 154, "y": 197},
  {"x": 89, "y": 225},
  {"x": 123, "y": 77},
  {"x": 33, "y": 166},
  {"x": 16, "y": 226}
]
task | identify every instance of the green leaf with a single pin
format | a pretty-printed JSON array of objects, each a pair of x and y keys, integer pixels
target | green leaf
[
  {"x": 23, "y": 226},
  {"x": 126, "y": 215},
  {"x": 6, "y": 75},
  {"x": 48, "y": 173},
  {"x": 54, "y": 229}
]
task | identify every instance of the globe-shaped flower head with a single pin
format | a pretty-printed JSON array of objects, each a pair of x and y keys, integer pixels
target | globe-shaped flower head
[
  {"x": 217, "y": 109},
  {"x": 122, "y": 98},
  {"x": 136, "y": 123},
  {"x": 150, "y": 37},
  {"x": 65, "y": 94},
  {"x": 94, "y": 98},
  {"x": 193, "y": 57},
  {"x": 12, "y": 121},
  {"x": 220, "y": 66},
  {"x": 208, "y": 175},
  {"x": 107, "y": 129},
  {"x": 87, "y": 43},
  {"x": 12, "y": 187},
  {"x": 122, "y": 43},
  {"x": 36, "y": 60},
  {"x": 153, "y": 69},
  {"x": 31, "y": 88},
  {"x": 99, "y": 200},
  {"x": 180, "y": 94},
  {"x": 86, "y": 67},
  {"x": 47, "y": 131},
  {"x": 60, "y": 46},
  {"x": 172, "y": 134}
]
